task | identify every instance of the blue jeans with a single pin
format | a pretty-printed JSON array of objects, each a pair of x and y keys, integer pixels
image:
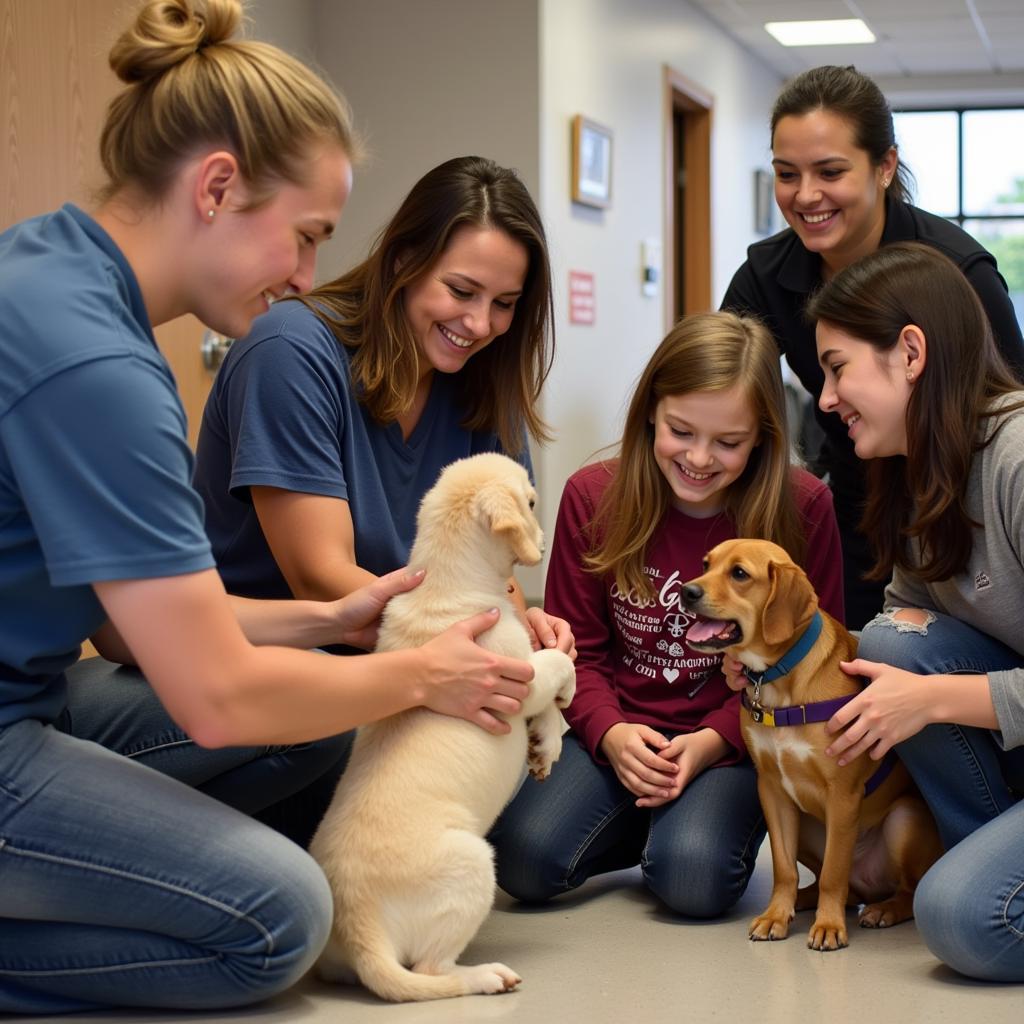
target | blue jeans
[
  {"x": 970, "y": 906},
  {"x": 962, "y": 773},
  {"x": 125, "y": 877},
  {"x": 696, "y": 853}
]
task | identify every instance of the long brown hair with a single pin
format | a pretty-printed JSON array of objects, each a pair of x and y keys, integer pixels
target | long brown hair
[
  {"x": 189, "y": 84},
  {"x": 365, "y": 308},
  {"x": 854, "y": 97},
  {"x": 703, "y": 352},
  {"x": 923, "y": 495}
]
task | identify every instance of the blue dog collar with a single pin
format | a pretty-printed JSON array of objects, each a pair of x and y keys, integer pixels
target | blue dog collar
[{"x": 791, "y": 658}]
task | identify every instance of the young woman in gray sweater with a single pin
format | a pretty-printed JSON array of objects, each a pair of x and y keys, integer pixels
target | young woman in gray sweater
[{"x": 911, "y": 369}]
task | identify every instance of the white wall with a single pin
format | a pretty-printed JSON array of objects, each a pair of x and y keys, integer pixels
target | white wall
[
  {"x": 427, "y": 80},
  {"x": 604, "y": 58},
  {"x": 285, "y": 23}
]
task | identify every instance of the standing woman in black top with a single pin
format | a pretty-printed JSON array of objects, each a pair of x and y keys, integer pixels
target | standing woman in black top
[{"x": 844, "y": 192}]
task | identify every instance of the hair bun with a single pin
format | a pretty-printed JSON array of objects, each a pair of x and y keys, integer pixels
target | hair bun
[{"x": 167, "y": 32}]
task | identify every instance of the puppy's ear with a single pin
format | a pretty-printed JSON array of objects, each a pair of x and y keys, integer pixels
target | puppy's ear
[
  {"x": 502, "y": 513},
  {"x": 791, "y": 602}
]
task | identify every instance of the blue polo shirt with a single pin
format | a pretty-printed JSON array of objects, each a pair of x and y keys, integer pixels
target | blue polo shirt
[
  {"x": 95, "y": 466},
  {"x": 283, "y": 413}
]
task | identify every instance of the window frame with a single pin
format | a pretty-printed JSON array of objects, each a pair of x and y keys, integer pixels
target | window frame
[{"x": 960, "y": 216}]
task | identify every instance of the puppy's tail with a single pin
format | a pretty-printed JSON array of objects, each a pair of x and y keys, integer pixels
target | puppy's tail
[
  {"x": 367, "y": 948},
  {"x": 383, "y": 975}
]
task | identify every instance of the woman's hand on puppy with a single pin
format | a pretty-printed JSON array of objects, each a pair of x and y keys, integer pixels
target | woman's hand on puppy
[
  {"x": 460, "y": 677},
  {"x": 644, "y": 771},
  {"x": 464, "y": 680},
  {"x": 551, "y": 632},
  {"x": 358, "y": 614}
]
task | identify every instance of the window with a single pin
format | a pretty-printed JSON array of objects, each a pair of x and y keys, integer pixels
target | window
[{"x": 969, "y": 167}]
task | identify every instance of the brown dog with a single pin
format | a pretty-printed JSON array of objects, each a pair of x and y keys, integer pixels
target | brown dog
[{"x": 862, "y": 829}]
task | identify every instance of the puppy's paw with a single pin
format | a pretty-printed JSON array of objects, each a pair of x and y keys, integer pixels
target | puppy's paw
[
  {"x": 542, "y": 752},
  {"x": 888, "y": 912},
  {"x": 769, "y": 927},
  {"x": 567, "y": 688},
  {"x": 827, "y": 935},
  {"x": 489, "y": 979}
]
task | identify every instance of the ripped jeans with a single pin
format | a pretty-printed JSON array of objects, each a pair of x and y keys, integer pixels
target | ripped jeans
[
  {"x": 970, "y": 906},
  {"x": 962, "y": 772}
]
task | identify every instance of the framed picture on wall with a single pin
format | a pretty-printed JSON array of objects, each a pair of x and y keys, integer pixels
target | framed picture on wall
[
  {"x": 591, "y": 162},
  {"x": 764, "y": 202}
]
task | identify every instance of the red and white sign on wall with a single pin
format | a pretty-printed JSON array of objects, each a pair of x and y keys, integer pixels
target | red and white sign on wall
[{"x": 581, "y": 297}]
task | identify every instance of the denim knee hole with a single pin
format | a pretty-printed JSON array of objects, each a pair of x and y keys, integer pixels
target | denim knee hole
[{"x": 889, "y": 620}]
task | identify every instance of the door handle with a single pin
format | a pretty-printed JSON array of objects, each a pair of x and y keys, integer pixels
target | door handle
[{"x": 213, "y": 348}]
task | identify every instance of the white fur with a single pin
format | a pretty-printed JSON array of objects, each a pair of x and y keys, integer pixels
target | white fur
[
  {"x": 402, "y": 842},
  {"x": 778, "y": 744}
]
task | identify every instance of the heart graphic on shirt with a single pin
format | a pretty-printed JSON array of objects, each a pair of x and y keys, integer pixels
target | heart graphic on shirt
[{"x": 671, "y": 674}]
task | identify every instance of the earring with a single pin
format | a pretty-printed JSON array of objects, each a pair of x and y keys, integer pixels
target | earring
[
  {"x": 910, "y": 376},
  {"x": 210, "y": 213},
  {"x": 885, "y": 183}
]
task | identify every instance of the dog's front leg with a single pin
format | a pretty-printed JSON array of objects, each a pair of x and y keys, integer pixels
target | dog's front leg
[
  {"x": 544, "y": 735},
  {"x": 842, "y": 814},
  {"x": 554, "y": 680},
  {"x": 783, "y": 818},
  {"x": 553, "y": 686}
]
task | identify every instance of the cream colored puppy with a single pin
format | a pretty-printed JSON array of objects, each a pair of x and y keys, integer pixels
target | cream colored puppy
[{"x": 402, "y": 842}]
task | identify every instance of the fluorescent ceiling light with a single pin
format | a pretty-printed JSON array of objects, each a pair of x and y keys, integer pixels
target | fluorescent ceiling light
[{"x": 820, "y": 33}]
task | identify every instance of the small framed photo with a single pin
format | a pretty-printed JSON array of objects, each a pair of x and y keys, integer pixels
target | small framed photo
[
  {"x": 764, "y": 202},
  {"x": 591, "y": 162}
]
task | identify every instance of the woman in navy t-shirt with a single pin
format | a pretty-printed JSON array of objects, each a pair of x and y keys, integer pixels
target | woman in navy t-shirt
[{"x": 228, "y": 162}]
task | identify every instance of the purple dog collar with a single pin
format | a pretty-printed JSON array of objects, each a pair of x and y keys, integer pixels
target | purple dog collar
[
  {"x": 797, "y": 714},
  {"x": 806, "y": 714}
]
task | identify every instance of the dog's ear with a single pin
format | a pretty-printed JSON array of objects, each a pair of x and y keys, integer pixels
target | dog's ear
[
  {"x": 791, "y": 602},
  {"x": 503, "y": 514}
]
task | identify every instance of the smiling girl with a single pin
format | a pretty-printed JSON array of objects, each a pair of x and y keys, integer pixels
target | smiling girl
[
  {"x": 331, "y": 420},
  {"x": 844, "y": 192},
  {"x": 912, "y": 374},
  {"x": 654, "y": 770}
]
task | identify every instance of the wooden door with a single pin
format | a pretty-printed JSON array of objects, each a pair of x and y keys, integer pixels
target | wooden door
[
  {"x": 686, "y": 119},
  {"x": 55, "y": 84}
]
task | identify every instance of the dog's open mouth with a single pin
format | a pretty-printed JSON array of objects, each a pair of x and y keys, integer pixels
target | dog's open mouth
[{"x": 713, "y": 634}]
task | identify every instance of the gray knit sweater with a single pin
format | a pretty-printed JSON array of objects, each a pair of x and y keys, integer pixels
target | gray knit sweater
[{"x": 989, "y": 593}]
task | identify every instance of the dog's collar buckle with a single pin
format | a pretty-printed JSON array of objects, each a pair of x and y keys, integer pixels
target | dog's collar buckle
[
  {"x": 756, "y": 678},
  {"x": 761, "y": 714}
]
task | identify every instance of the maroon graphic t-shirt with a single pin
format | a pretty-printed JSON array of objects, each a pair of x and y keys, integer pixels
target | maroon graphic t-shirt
[{"x": 633, "y": 663}]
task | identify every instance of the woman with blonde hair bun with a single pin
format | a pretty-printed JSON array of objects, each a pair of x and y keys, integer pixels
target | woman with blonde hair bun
[{"x": 132, "y": 872}]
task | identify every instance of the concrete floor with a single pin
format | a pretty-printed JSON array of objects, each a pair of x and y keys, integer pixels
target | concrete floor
[{"x": 608, "y": 954}]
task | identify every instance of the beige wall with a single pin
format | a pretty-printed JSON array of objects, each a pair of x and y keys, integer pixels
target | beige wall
[
  {"x": 428, "y": 80},
  {"x": 285, "y": 23}
]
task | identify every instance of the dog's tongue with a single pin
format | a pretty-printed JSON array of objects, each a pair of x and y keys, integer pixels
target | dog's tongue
[{"x": 705, "y": 629}]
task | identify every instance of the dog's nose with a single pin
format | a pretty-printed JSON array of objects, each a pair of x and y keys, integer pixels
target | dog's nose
[{"x": 692, "y": 594}]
